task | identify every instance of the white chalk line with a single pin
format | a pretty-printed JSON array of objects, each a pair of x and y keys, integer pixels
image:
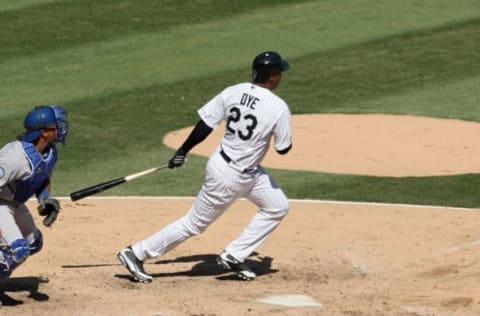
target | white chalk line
[
  {"x": 448, "y": 208},
  {"x": 324, "y": 202},
  {"x": 291, "y": 300},
  {"x": 463, "y": 245}
]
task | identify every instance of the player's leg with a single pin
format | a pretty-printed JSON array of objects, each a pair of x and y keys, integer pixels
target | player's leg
[
  {"x": 213, "y": 199},
  {"x": 273, "y": 206},
  {"x": 14, "y": 247},
  {"x": 29, "y": 230}
]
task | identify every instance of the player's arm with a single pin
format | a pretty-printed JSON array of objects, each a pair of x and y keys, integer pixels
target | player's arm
[
  {"x": 211, "y": 114},
  {"x": 47, "y": 206},
  {"x": 44, "y": 190},
  {"x": 12, "y": 168},
  {"x": 283, "y": 134},
  {"x": 198, "y": 135},
  {"x": 284, "y": 151}
]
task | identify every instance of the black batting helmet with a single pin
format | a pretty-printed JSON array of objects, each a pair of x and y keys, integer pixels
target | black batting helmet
[{"x": 267, "y": 63}]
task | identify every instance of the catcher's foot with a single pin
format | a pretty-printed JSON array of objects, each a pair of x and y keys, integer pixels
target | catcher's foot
[
  {"x": 4, "y": 275},
  {"x": 133, "y": 265},
  {"x": 229, "y": 263}
]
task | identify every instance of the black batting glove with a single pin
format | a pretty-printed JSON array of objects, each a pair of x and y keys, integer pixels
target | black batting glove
[{"x": 177, "y": 160}]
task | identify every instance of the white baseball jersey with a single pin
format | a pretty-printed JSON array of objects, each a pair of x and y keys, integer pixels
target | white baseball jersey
[{"x": 252, "y": 114}]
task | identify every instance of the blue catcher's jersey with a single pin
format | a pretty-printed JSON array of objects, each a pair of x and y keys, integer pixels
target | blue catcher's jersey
[{"x": 42, "y": 168}]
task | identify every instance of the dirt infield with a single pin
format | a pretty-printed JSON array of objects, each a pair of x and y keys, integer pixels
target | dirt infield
[
  {"x": 350, "y": 259},
  {"x": 370, "y": 144}
]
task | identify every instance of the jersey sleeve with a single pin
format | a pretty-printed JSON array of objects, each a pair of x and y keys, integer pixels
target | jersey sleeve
[
  {"x": 212, "y": 113},
  {"x": 4, "y": 174},
  {"x": 282, "y": 131},
  {"x": 10, "y": 169}
]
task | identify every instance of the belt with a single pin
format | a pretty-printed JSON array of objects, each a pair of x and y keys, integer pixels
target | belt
[
  {"x": 225, "y": 156},
  {"x": 229, "y": 160}
]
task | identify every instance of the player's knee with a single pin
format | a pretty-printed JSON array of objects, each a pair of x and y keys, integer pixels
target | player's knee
[
  {"x": 37, "y": 243},
  {"x": 279, "y": 210},
  {"x": 283, "y": 206},
  {"x": 14, "y": 255},
  {"x": 20, "y": 250}
]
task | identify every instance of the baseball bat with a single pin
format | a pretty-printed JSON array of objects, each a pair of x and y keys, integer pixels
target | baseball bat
[{"x": 100, "y": 187}]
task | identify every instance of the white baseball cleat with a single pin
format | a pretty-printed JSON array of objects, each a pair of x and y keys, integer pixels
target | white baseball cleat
[{"x": 133, "y": 265}]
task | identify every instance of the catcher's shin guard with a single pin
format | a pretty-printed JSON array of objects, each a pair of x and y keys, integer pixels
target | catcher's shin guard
[{"x": 37, "y": 243}]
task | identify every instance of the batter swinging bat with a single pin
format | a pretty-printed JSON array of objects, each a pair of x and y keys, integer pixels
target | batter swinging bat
[{"x": 94, "y": 189}]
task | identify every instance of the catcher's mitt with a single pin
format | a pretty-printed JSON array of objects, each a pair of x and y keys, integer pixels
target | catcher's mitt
[{"x": 49, "y": 207}]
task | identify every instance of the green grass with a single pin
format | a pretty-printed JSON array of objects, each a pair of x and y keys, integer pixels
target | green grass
[
  {"x": 131, "y": 71},
  {"x": 18, "y": 4},
  {"x": 354, "y": 76}
]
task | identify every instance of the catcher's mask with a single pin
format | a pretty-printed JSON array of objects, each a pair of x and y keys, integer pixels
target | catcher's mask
[{"x": 61, "y": 116}]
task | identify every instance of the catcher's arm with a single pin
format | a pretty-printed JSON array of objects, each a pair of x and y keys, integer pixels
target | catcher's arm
[{"x": 47, "y": 206}]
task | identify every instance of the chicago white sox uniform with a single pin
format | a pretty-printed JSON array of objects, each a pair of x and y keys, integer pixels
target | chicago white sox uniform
[{"x": 253, "y": 115}]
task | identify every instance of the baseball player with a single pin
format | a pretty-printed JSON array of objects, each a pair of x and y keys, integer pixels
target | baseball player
[
  {"x": 253, "y": 115},
  {"x": 26, "y": 166}
]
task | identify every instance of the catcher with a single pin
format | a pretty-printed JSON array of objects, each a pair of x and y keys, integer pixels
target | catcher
[{"x": 26, "y": 166}]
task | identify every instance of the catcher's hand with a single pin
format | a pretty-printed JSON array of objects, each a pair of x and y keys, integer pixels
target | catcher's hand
[
  {"x": 49, "y": 207},
  {"x": 177, "y": 160}
]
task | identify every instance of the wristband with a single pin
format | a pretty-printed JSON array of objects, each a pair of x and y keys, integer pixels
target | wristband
[{"x": 44, "y": 194}]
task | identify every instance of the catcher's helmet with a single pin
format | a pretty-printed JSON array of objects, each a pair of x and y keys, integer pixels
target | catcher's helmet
[
  {"x": 268, "y": 62},
  {"x": 40, "y": 117}
]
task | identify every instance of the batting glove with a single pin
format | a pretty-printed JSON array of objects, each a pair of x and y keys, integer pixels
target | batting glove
[{"x": 177, "y": 160}]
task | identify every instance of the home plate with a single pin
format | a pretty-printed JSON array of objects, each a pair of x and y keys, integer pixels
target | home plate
[{"x": 290, "y": 300}]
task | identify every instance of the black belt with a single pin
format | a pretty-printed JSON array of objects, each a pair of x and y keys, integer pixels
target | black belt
[
  {"x": 225, "y": 156},
  {"x": 229, "y": 160}
]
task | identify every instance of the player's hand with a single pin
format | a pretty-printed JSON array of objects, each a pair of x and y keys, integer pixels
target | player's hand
[
  {"x": 49, "y": 207},
  {"x": 177, "y": 160}
]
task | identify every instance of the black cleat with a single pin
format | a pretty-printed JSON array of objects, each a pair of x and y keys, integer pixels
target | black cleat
[{"x": 229, "y": 263}]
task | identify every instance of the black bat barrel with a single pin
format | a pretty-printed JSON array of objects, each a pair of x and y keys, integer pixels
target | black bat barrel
[{"x": 94, "y": 189}]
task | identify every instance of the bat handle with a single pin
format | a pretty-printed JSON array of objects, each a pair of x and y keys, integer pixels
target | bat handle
[{"x": 140, "y": 174}]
